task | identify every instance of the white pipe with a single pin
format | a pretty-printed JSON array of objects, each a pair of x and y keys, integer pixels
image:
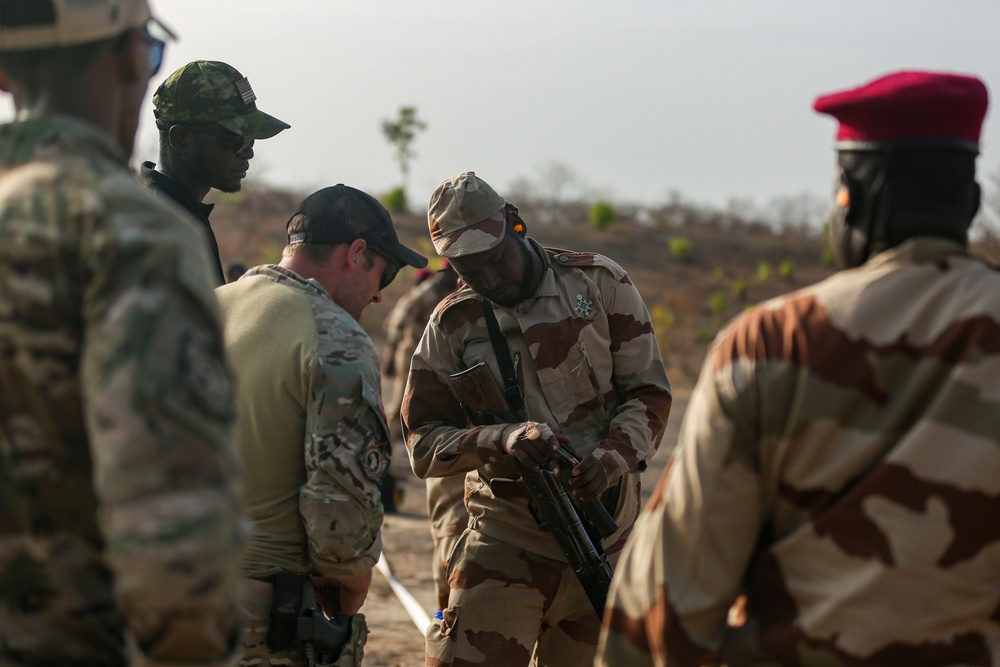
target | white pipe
[{"x": 410, "y": 604}]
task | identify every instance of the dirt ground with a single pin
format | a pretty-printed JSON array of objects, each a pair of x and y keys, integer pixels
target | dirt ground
[{"x": 395, "y": 640}]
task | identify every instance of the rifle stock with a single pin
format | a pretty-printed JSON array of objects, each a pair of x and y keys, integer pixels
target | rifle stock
[{"x": 577, "y": 526}]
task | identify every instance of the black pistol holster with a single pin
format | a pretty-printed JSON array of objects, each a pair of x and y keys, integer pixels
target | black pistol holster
[
  {"x": 293, "y": 619},
  {"x": 286, "y": 604}
]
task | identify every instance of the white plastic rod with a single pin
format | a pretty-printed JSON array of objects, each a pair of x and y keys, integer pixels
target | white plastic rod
[{"x": 410, "y": 604}]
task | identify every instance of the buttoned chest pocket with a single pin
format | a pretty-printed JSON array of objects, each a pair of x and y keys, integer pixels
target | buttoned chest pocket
[{"x": 577, "y": 378}]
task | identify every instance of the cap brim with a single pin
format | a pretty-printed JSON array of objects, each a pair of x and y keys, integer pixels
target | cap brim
[
  {"x": 404, "y": 255},
  {"x": 256, "y": 125}
]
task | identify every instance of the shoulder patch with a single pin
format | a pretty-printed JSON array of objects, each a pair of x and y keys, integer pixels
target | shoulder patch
[{"x": 573, "y": 258}]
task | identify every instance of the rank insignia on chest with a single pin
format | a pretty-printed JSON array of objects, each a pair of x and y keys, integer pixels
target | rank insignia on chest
[{"x": 583, "y": 308}]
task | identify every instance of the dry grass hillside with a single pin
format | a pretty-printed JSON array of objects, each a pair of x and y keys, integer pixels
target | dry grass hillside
[{"x": 693, "y": 276}]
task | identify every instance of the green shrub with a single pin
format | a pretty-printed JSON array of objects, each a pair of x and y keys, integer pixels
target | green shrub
[
  {"x": 719, "y": 273},
  {"x": 717, "y": 303},
  {"x": 395, "y": 200},
  {"x": 740, "y": 288},
  {"x": 764, "y": 270},
  {"x": 602, "y": 214},
  {"x": 704, "y": 334},
  {"x": 787, "y": 269},
  {"x": 680, "y": 247}
]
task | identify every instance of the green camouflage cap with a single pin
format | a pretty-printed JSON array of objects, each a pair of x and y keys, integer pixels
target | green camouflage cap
[
  {"x": 465, "y": 216},
  {"x": 48, "y": 24},
  {"x": 206, "y": 91}
]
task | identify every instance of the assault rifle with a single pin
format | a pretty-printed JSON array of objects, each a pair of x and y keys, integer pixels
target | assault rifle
[{"x": 577, "y": 526}]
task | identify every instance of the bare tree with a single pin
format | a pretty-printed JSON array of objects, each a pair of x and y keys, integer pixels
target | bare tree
[{"x": 554, "y": 196}]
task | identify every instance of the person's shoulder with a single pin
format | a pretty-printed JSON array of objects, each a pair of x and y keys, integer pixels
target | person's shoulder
[
  {"x": 339, "y": 336},
  {"x": 459, "y": 300},
  {"x": 586, "y": 260},
  {"x": 461, "y": 307}
]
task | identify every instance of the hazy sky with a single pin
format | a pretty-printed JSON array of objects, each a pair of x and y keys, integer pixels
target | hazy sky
[{"x": 710, "y": 98}]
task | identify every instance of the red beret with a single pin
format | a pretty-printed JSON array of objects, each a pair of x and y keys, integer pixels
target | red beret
[{"x": 910, "y": 106}]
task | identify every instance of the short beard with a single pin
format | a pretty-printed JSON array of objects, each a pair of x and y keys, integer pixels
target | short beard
[{"x": 525, "y": 285}]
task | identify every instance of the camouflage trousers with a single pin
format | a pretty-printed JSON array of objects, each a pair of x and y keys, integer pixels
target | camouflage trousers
[
  {"x": 443, "y": 548},
  {"x": 511, "y": 608}
]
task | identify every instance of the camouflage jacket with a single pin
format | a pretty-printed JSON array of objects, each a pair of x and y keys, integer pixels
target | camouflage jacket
[
  {"x": 405, "y": 324},
  {"x": 589, "y": 366},
  {"x": 310, "y": 428},
  {"x": 119, "y": 505},
  {"x": 839, "y": 464}
]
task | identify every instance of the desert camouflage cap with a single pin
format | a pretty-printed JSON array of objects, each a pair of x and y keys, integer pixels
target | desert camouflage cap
[
  {"x": 44, "y": 24},
  {"x": 207, "y": 91},
  {"x": 465, "y": 216}
]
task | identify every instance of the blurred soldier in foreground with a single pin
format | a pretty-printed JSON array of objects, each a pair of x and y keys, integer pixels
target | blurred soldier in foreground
[
  {"x": 445, "y": 495},
  {"x": 120, "y": 529},
  {"x": 590, "y": 375},
  {"x": 311, "y": 430},
  {"x": 208, "y": 120},
  {"x": 839, "y": 463}
]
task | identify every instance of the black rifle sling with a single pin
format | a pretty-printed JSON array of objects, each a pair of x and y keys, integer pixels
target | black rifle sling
[
  {"x": 511, "y": 387},
  {"x": 579, "y": 542}
]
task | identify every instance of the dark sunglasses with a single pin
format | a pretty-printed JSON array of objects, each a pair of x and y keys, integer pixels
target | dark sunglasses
[
  {"x": 232, "y": 142},
  {"x": 389, "y": 273},
  {"x": 156, "y": 49}
]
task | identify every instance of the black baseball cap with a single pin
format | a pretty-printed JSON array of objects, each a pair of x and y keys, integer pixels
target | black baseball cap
[{"x": 341, "y": 214}]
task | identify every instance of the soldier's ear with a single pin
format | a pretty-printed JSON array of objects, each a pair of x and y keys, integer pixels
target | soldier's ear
[{"x": 179, "y": 138}]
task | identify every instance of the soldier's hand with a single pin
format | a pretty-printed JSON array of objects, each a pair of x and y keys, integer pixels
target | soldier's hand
[
  {"x": 344, "y": 596},
  {"x": 589, "y": 479},
  {"x": 531, "y": 443}
]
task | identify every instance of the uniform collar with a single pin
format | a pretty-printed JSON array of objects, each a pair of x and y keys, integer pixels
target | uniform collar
[{"x": 921, "y": 249}]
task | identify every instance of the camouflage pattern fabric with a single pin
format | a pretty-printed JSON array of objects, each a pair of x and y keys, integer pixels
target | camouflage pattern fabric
[
  {"x": 515, "y": 608},
  {"x": 465, "y": 216},
  {"x": 449, "y": 519},
  {"x": 404, "y": 327},
  {"x": 445, "y": 495},
  {"x": 311, "y": 429},
  {"x": 120, "y": 525},
  {"x": 256, "y": 605},
  {"x": 590, "y": 368},
  {"x": 839, "y": 464},
  {"x": 204, "y": 92}
]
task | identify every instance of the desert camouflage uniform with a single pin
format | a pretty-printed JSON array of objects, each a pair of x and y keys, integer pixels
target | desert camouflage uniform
[
  {"x": 449, "y": 519},
  {"x": 404, "y": 327},
  {"x": 445, "y": 495},
  {"x": 590, "y": 369},
  {"x": 312, "y": 436},
  {"x": 840, "y": 465},
  {"x": 120, "y": 529}
]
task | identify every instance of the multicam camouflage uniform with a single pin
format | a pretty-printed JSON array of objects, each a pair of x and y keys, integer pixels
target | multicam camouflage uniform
[
  {"x": 120, "y": 529},
  {"x": 840, "y": 465},
  {"x": 590, "y": 369},
  {"x": 312, "y": 436}
]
